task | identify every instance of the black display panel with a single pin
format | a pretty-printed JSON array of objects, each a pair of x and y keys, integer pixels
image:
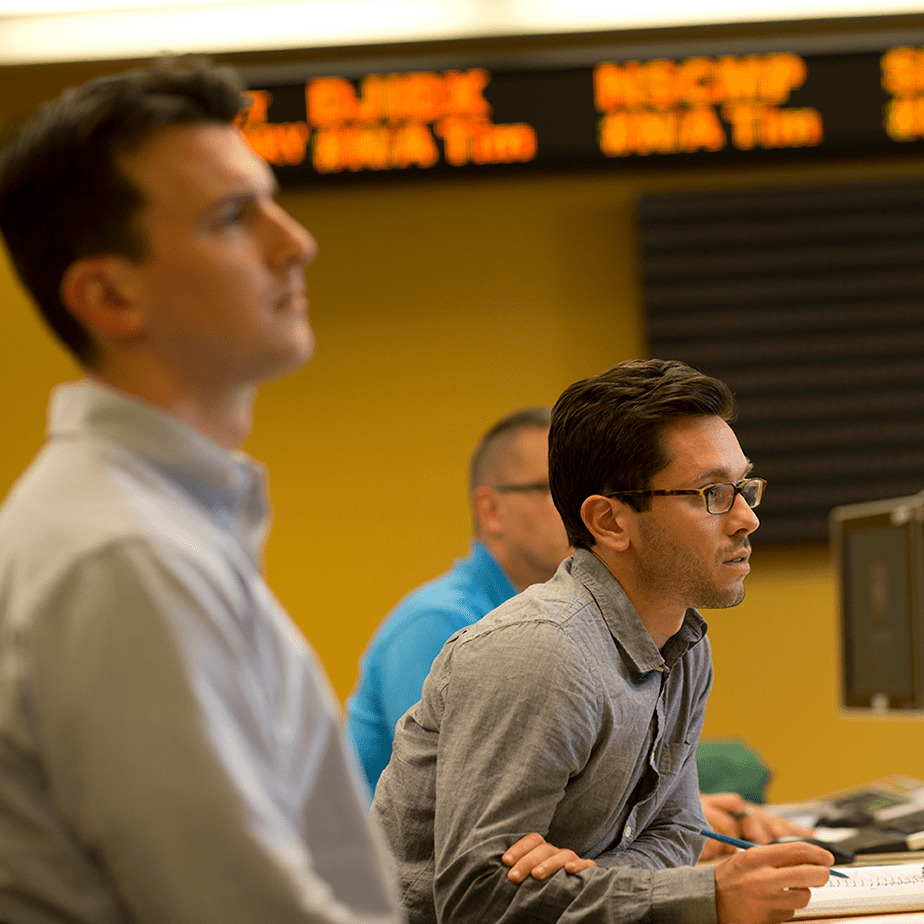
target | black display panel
[
  {"x": 447, "y": 116},
  {"x": 880, "y": 560}
]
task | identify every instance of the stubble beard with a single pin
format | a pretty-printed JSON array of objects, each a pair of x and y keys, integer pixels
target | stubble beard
[{"x": 665, "y": 566}]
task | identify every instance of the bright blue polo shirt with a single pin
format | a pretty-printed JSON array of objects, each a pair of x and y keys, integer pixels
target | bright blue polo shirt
[{"x": 405, "y": 645}]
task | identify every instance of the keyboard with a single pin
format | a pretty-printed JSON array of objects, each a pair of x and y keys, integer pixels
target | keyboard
[
  {"x": 912, "y": 823},
  {"x": 875, "y": 840}
]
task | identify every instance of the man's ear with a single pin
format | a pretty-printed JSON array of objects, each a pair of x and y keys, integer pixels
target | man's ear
[
  {"x": 486, "y": 507},
  {"x": 606, "y": 517},
  {"x": 99, "y": 292}
]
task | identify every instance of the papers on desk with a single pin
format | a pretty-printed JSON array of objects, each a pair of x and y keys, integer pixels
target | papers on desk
[
  {"x": 883, "y": 919},
  {"x": 869, "y": 890}
]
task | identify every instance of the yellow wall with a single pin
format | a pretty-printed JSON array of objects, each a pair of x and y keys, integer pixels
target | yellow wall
[{"x": 439, "y": 306}]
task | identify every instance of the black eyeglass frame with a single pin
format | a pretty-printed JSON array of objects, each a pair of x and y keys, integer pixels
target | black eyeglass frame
[
  {"x": 532, "y": 486},
  {"x": 738, "y": 488}
]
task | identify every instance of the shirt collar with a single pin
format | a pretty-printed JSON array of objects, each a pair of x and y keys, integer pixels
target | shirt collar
[
  {"x": 624, "y": 623},
  {"x": 491, "y": 576},
  {"x": 229, "y": 485}
]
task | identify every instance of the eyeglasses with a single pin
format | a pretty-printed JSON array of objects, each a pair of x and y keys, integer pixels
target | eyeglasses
[
  {"x": 533, "y": 486},
  {"x": 719, "y": 498}
]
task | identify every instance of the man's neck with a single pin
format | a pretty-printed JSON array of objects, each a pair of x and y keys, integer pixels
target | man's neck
[
  {"x": 521, "y": 573},
  {"x": 224, "y": 417},
  {"x": 661, "y": 618}
]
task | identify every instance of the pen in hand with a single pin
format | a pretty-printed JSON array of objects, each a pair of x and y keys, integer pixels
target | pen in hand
[{"x": 744, "y": 845}]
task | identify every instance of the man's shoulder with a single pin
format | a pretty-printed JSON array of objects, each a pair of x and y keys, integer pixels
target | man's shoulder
[
  {"x": 562, "y": 600},
  {"x": 557, "y": 615},
  {"x": 68, "y": 506},
  {"x": 446, "y": 600}
]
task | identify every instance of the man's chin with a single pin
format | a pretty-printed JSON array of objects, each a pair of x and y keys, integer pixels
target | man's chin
[
  {"x": 723, "y": 601},
  {"x": 290, "y": 360},
  {"x": 303, "y": 345},
  {"x": 308, "y": 347}
]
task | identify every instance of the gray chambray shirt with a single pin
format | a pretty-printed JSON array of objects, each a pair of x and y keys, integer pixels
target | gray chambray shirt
[{"x": 555, "y": 713}]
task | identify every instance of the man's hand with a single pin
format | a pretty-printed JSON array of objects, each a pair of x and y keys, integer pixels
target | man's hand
[
  {"x": 533, "y": 855},
  {"x": 731, "y": 814},
  {"x": 765, "y": 885}
]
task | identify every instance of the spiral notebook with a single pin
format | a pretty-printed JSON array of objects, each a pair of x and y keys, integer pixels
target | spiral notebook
[{"x": 869, "y": 890}]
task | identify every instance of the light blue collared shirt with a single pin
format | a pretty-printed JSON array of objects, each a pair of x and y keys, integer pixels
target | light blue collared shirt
[{"x": 398, "y": 658}]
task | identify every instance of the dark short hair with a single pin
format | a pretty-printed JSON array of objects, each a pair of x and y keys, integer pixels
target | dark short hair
[
  {"x": 606, "y": 432},
  {"x": 63, "y": 196},
  {"x": 496, "y": 442}
]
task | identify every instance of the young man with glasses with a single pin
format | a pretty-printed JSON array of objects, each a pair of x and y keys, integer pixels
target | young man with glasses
[
  {"x": 574, "y": 709},
  {"x": 519, "y": 540}
]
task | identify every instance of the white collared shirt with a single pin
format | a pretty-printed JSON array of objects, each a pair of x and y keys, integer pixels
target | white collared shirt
[{"x": 170, "y": 750}]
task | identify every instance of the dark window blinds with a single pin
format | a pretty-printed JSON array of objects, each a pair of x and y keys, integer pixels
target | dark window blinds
[{"x": 809, "y": 302}]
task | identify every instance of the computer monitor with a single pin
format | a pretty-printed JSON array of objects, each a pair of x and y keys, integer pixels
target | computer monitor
[{"x": 879, "y": 554}]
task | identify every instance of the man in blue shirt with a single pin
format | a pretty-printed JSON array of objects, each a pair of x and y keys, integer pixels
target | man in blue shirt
[{"x": 519, "y": 540}]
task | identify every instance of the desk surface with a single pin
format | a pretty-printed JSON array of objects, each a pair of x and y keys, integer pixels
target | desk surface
[{"x": 887, "y": 859}]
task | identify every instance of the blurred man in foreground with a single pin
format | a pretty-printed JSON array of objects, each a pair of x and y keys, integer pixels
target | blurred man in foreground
[{"x": 169, "y": 747}]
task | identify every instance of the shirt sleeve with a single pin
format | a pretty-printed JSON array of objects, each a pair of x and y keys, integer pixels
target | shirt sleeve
[
  {"x": 513, "y": 732},
  {"x": 393, "y": 674},
  {"x": 164, "y": 748},
  {"x": 407, "y": 659}
]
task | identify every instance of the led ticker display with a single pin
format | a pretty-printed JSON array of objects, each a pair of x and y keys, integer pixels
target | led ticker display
[
  {"x": 703, "y": 104},
  {"x": 391, "y": 122},
  {"x": 644, "y": 111},
  {"x": 903, "y": 80},
  {"x": 395, "y": 121}
]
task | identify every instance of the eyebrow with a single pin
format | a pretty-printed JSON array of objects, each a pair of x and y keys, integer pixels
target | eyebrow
[
  {"x": 252, "y": 188},
  {"x": 720, "y": 475}
]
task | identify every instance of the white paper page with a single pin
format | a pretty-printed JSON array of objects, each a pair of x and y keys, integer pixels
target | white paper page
[
  {"x": 915, "y": 917},
  {"x": 870, "y": 888}
]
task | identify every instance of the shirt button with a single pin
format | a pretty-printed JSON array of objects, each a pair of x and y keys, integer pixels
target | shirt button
[{"x": 628, "y": 831}]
